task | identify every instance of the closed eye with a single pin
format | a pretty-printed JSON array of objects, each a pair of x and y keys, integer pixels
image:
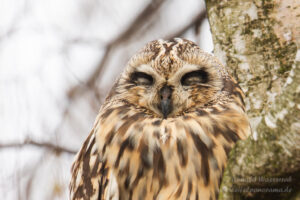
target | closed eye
[
  {"x": 194, "y": 77},
  {"x": 141, "y": 78}
]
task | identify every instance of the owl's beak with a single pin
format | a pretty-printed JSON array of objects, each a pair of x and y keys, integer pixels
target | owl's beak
[{"x": 165, "y": 100}]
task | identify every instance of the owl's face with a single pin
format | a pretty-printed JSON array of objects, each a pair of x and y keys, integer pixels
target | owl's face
[{"x": 165, "y": 81}]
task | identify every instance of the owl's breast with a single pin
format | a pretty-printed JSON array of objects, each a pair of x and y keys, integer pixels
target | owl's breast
[{"x": 171, "y": 158}]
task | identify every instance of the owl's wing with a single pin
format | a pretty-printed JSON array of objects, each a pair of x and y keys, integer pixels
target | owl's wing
[{"x": 91, "y": 179}]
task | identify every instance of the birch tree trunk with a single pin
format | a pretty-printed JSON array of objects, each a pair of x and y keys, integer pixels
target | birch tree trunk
[{"x": 259, "y": 40}]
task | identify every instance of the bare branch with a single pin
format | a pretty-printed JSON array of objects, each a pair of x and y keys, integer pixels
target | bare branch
[
  {"x": 139, "y": 21},
  {"x": 197, "y": 21},
  {"x": 29, "y": 142},
  {"x": 147, "y": 13}
]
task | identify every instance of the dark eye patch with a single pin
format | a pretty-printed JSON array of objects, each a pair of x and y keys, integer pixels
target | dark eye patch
[
  {"x": 141, "y": 78},
  {"x": 194, "y": 77}
]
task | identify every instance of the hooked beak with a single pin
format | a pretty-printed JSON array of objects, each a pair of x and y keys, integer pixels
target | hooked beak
[{"x": 165, "y": 100}]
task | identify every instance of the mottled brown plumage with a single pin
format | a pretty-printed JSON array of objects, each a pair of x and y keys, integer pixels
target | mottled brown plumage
[{"x": 165, "y": 129}]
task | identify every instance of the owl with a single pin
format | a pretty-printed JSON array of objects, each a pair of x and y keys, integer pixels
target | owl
[{"x": 165, "y": 129}]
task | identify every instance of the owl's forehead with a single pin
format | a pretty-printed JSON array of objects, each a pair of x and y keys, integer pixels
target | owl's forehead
[
  {"x": 166, "y": 57},
  {"x": 165, "y": 60}
]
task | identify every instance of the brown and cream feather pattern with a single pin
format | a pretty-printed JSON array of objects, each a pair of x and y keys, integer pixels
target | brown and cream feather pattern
[{"x": 165, "y": 130}]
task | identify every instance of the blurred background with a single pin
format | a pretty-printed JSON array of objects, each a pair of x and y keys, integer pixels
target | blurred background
[{"x": 58, "y": 60}]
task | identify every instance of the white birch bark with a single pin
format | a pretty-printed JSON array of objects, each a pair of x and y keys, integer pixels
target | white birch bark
[{"x": 259, "y": 41}]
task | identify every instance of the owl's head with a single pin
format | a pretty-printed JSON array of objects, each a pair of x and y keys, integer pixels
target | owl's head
[{"x": 167, "y": 78}]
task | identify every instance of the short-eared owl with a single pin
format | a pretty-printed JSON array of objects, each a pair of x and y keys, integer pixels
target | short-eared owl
[{"x": 165, "y": 129}]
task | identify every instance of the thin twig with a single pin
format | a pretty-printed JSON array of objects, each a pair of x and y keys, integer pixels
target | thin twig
[
  {"x": 135, "y": 26},
  {"x": 29, "y": 142},
  {"x": 137, "y": 23},
  {"x": 197, "y": 21}
]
